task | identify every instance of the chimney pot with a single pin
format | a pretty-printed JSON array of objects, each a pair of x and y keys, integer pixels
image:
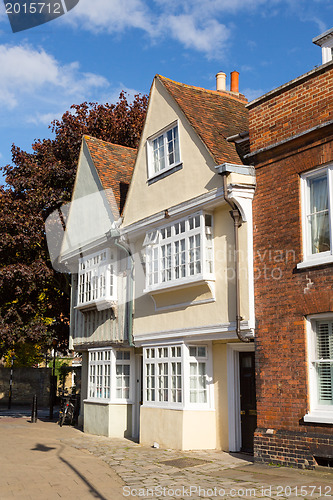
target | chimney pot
[
  {"x": 221, "y": 81},
  {"x": 234, "y": 81}
]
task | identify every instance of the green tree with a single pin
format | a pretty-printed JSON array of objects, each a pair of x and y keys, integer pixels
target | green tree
[{"x": 34, "y": 298}]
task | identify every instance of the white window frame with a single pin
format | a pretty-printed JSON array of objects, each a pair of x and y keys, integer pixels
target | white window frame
[
  {"x": 179, "y": 355},
  {"x": 166, "y": 267},
  {"x": 153, "y": 391},
  {"x": 319, "y": 413},
  {"x": 309, "y": 258},
  {"x": 97, "y": 279},
  {"x": 103, "y": 363},
  {"x": 123, "y": 359},
  {"x": 162, "y": 135}
]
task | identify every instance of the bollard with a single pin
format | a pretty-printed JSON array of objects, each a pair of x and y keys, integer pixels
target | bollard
[{"x": 34, "y": 410}]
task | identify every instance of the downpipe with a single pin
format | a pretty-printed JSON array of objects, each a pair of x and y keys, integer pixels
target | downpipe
[{"x": 237, "y": 218}]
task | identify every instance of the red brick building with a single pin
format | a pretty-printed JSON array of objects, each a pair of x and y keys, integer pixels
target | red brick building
[{"x": 291, "y": 138}]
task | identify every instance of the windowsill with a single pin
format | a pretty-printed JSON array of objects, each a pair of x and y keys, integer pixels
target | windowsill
[
  {"x": 315, "y": 261},
  {"x": 174, "y": 407},
  {"x": 319, "y": 417},
  {"x": 180, "y": 284},
  {"x": 109, "y": 402},
  {"x": 164, "y": 173},
  {"x": 99, "y": 304}
]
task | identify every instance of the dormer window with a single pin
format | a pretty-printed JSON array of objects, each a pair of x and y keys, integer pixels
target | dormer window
[
  {"x": 163, "y": 151},
  {"x": 97, "y": 283}
]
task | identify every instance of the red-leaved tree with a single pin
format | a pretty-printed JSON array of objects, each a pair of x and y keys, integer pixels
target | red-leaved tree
[{"x": 34, "y": 298}]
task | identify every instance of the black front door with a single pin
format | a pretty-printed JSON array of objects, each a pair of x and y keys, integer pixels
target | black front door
[{"x": 247, "y": 400}]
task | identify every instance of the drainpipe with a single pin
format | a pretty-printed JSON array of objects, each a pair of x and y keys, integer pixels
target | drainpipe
[
  {"x": 237, "y": 218},
  {"x": 129, "y": 294}
]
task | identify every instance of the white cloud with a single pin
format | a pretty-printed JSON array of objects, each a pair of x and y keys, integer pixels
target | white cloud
[
  {"x": 196, "y": 24},
  {"x": 112, "y": 15},
  {"x": 189, "y": 23},
  {"x": 33, "y": 82},
  {"x": 208, "y": 37},
  {"x": 26, "y": 71},
  {"x": 252, "y": 94}
]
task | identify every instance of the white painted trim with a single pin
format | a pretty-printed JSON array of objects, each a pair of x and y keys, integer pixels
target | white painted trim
[
  {"x": 319, "y": 417},
  {"x": 233, "y": 383},
  {"x": 318, "y": 413},
  {"x": 206, "y": 200},
  {"x": 317, "y": 261},
  {"x": 138, "y": 359},
  {"x": 149, "y": 140},
  {"x": 185, "y": 360},
  {"x": 208, "y": 332},
  {"x": 309, "y": 259},
  {"x": 243, "y": 198},
  {"x": 113, "y": 363}
]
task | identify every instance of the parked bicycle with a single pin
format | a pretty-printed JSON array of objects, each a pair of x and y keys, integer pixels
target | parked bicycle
[{"x": 68, "y": 408}]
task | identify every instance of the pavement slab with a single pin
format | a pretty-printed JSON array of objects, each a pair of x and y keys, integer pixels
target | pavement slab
[{"x": 43, "y": 461}]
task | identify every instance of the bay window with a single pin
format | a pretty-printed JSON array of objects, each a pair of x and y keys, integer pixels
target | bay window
[
  {"x": 180, "y": 252},
  {"x": 110, "y": 375},
  {"x": 176, "y": 376},
  {"x": 97, "y": 283}
]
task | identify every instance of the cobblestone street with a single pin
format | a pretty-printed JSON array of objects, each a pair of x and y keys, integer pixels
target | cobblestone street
[{"x": 43, "y": 460}]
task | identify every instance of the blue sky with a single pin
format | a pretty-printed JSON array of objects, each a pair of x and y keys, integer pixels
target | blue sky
[{"x": 103, "y": 46}]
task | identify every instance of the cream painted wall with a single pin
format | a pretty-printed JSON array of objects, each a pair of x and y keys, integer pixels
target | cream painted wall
[
  {"x": 221, "y": 395},
  {"x": 197, "y": 176},
  {"x": 147, "y": 320},
  {"x": 178, "y": 429},
  {"x": 199, "y": 430},
  {"x": 107, "y": 419},
  {"x": 162, "y": 426}
]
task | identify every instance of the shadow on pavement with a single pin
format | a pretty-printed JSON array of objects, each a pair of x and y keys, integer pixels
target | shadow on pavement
[{"x": 94, "y": 493}]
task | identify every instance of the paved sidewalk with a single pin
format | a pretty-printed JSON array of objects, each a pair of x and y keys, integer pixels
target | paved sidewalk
[
  {"x": 44, "y": 461},
  {"x": 36, "y": 464}
]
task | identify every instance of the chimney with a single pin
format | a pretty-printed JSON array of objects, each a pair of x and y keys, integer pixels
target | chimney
[
  {"x": 234, "y": 81},
  {"x": 220, "y": 81}
]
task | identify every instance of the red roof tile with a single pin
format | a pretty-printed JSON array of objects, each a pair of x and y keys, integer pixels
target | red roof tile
[
  {"x": 114, "y": 165},
  {"x": 214, "y": 115}
]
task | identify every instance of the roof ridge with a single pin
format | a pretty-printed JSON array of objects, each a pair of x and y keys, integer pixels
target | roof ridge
[
  {"x": 86, "y": 136},
  {"x": 222, "y": 93}
]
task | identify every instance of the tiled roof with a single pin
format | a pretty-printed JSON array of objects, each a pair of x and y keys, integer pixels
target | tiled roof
[
  {"x": 214, "y": 115},
  {"x": 114, "y": 165}
]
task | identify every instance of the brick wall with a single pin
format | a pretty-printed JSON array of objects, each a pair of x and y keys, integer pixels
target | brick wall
[
  {"x": 284, "y": 295},
  {"x": 296, "y": 107}
]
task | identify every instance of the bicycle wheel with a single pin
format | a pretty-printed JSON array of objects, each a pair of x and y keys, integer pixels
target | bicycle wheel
[{"x": 63, "y": 417}]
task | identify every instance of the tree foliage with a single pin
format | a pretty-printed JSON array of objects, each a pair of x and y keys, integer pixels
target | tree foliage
[{"x": 34, "y": 298}]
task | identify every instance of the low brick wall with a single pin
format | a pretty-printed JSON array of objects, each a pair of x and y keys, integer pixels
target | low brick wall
[
  {"x": 295, "y": 449},
  {"x": 26, "y": 383}
]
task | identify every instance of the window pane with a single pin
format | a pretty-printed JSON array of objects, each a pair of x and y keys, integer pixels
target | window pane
[
  {"x": 324, "y": 361},
  {"x": 202, "y": 351},
  {"x": 319, "y": 217}
]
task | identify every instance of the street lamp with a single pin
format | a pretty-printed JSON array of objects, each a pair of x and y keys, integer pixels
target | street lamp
[{"x": 53, "y": 384}]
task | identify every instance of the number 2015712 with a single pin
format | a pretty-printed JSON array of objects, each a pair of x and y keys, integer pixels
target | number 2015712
[{"x": 33, "y": 8}]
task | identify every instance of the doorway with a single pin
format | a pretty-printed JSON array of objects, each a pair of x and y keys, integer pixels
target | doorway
[
  {"x": 248, "y": 409},
  {"x": 242, "y": 414}
]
